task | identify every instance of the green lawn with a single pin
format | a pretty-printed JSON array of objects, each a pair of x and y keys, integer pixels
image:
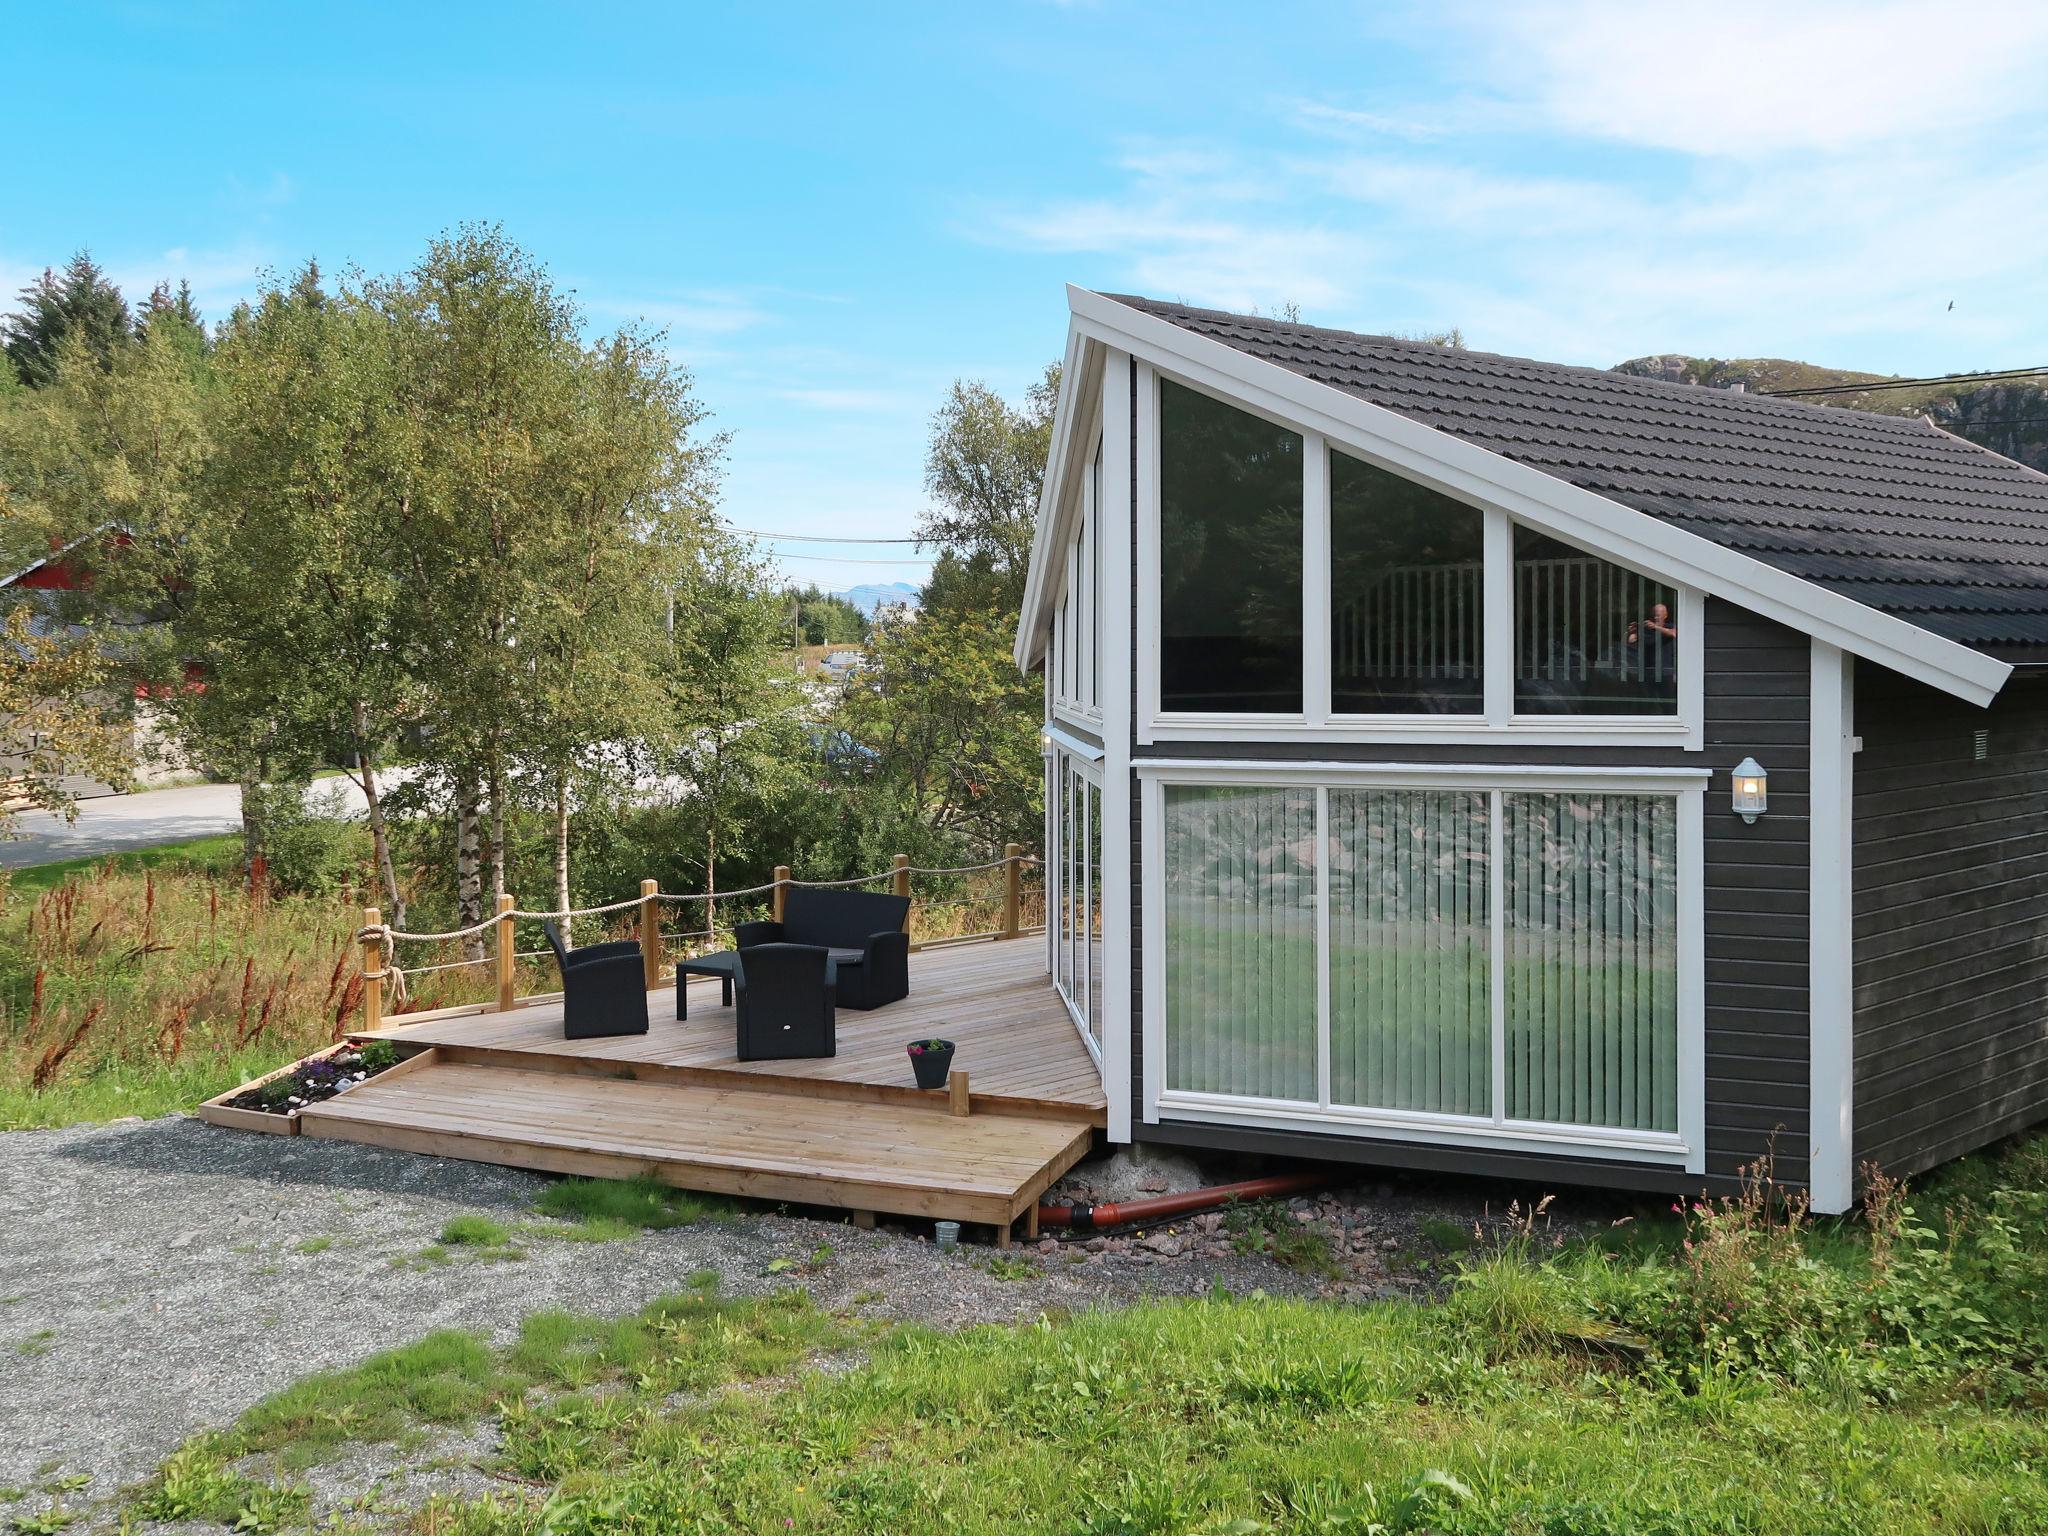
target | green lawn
[
  {"x": 205, "y": 853},
  {"x": 1788, "y": 1382}
]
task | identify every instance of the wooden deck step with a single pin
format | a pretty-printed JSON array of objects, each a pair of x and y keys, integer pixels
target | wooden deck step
[{"x": 906, "y": 1160}]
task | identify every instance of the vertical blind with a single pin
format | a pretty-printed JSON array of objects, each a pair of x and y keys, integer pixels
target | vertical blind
[
  {"x": 1592, "y": 959},
  {"x": 1240, "y": 941},
  {"x": 1588, "y": 924},
  {"x": 1411, "y": 1022}
]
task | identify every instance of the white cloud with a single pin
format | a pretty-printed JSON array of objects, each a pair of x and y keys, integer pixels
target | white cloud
[
  {"x": 1760, "y": 77},
  {"x": 703, "y": 313},
  {"x": 1603, "y": 180}
]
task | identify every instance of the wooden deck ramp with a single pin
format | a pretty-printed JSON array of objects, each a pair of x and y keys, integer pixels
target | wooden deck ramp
[{"x": 849, "y": 1131}]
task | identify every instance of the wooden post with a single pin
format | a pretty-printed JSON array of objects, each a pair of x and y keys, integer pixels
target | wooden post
[
  {"x": 650, "y": 934},
  {"x": 901, "y": 864},
  {"x": 779, "y": 897},
  {"x": 1013, "y": 866},
  {"x": 507, "y": 984},
  {"x": 373, "y": 969},
  {"x": 956, "y": 1092}
]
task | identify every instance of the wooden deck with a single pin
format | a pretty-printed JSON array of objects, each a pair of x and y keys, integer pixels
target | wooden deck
[{"x": 851, "y": 1130}]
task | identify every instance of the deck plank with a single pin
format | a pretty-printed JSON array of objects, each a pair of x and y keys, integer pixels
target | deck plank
[
  {"x": 911, "y": 1160},
  {"x": 994, "y": 1000}
]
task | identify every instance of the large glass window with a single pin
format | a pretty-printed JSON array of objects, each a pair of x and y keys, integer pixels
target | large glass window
[
  {"x": 1592, "y": 971},
  {"x": 1470, "y": 932},
  {"x": 1410, "y": 1013},
  {"x": 1406, "y": 604},
  {"x": 1241, "y": 941},
  {"x": 1230, "y": 559},
  {"x": 1076, "y": 914},
  {"x": 1590, "y": 637}
]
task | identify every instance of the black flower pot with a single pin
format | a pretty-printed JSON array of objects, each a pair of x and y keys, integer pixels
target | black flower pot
[{"x": 932, "y": 1063}]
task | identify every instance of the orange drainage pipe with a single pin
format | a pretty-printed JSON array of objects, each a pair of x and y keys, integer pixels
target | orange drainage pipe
[{"x": 1083, "y": 1217}]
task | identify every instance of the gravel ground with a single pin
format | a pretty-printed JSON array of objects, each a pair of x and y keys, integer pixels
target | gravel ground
[{"x": 156, "y": 1278}]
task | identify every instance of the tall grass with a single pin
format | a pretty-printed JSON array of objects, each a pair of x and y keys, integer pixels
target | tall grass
[{"x": 141, "y": 991}]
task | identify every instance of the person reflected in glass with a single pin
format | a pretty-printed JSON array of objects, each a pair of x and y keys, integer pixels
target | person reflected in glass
[{"x": 1655, "y": 643}]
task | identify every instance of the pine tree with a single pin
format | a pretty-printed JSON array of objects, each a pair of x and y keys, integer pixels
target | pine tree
[{"x": 80, "y": 300}]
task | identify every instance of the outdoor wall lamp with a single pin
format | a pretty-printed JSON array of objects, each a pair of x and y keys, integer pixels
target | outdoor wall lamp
[{"x": 1748, "y": 798}]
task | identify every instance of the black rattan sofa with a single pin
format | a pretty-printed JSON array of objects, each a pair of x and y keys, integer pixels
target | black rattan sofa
[{"x": 863, "y": 930}]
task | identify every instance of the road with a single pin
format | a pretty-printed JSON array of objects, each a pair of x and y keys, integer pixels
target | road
[{"x": 114, "y": 822}]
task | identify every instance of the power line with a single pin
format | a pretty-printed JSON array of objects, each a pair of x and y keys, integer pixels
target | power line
[
  {"x": 818, "y": 538},
  {"x": 1946, "y": 378},
  {"x": 836, "y": 560}
]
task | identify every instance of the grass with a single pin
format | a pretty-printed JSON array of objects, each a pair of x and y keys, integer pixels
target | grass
[
  {"x": 605, "y": 1210},
  {"x": 199, "y": 853},
  {"x": 1171, "y": 1417},
  {"x": 144, "y": 983},
  {"x": 1267, "y": 1227}
]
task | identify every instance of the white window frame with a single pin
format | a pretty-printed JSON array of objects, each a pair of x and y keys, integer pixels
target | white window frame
[
  {"x": 1316, "y": 721},
  {"x": 1064, "y": 754},
  {"x": 1686, "y": 1148},
  {"x": 1077, "y": 619}
]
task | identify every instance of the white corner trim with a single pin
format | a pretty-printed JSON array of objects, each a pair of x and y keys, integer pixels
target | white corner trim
[
  {"x": 1831, "y": 1068},
  {"x": 1487, "y": 479},
  {"x": 1113, "y": 549}
]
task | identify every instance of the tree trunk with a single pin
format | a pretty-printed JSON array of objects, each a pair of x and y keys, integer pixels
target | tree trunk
[
  {"x": 469, "y": 881},
  {"x": 252, "y": 824},
  {"x": 380, "y": 841},
  {"x": 562, "y": 855},
  {"x": 711, "y": 884},
  {"x": 497, "y": 829}
]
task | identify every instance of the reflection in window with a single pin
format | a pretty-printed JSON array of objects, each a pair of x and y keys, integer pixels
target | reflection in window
[
  {"x": 1405, "y": 596},
  {"x": 1590, "y": 637},
  {"x": 1229, "y": 559},
  {"x": 1239, "y": 890}
]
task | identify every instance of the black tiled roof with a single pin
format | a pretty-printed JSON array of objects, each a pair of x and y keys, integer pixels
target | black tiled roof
[{"x": 1886, "y": 510}]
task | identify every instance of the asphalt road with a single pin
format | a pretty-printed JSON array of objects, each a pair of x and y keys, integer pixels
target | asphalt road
[{"x": 114, "y": 822}]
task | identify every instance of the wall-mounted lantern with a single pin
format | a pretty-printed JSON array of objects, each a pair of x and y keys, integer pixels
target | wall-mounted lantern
[{"x": 1748, "y": 798}]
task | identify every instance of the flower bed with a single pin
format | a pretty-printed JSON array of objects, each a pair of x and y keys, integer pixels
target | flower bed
[{"x": 272, "y": 1102}]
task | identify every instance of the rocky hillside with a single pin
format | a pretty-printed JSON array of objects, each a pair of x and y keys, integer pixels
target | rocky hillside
[{"x": 2011, "y": 419}]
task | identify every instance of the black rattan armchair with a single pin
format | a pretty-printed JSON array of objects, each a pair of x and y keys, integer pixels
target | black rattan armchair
[
  {"x": 604, "y": 987},
  {"x": 782, "y": 994},
  {"x": 863, "y": 930}
]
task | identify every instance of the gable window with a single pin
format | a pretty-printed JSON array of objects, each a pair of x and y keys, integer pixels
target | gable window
[
  {"x": 1230, "y": 559},
  {"x": 1590, "y": 637},
  {"x": 1305, "y": 587},
  {"x": 1406, "y": 596},
  {"x": 1074, "y": 664}
]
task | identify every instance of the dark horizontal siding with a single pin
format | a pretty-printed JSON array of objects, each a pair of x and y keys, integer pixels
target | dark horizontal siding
[
  {"x": 1758, "y": 704},
  {"x": 1951, "y": 920}
]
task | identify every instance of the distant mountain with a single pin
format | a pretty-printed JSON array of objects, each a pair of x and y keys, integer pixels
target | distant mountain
[
  {"x": 2011, "y": 419},
  {"x": 871, "y": 597}
]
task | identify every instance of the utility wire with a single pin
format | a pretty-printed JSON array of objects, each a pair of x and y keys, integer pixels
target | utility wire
[
  {"x": 836, "y": 560},
  {"x": 817, "y": 538},
  {"x": 1946, "y": 378}
]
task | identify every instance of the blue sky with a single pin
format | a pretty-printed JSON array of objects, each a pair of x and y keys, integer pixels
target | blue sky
[{"x": 835, "y": 210}]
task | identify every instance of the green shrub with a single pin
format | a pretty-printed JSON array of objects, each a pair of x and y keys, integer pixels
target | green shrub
[{"x": 310, "y": 844}]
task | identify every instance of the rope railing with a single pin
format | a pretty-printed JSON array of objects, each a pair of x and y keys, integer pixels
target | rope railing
[{"x": 379, "y": 940}]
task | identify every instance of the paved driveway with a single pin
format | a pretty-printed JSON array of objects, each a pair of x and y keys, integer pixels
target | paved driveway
[{"x": 113, "y": 822}]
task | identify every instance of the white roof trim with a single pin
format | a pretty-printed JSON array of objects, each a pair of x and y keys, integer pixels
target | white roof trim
[
  {"x": 1079, "y": 404},
  {"x": 1485, "y": 478}
]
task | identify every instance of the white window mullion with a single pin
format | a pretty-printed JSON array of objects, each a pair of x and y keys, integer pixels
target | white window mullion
[
  {"x": 1315, "y": 580},
  {"x": 1497, "y": 624},
  {"x": 1497, "y": 948},
  {"x": 1323, "y": 946}
]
